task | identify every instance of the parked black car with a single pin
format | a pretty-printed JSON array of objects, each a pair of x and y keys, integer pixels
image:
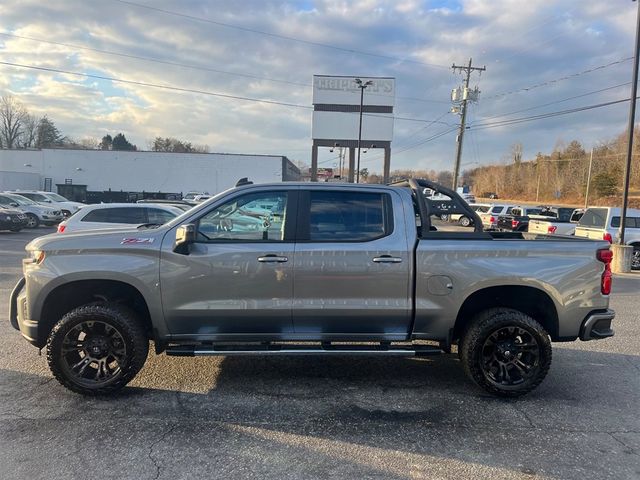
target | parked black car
[
  {"x": 12, "y": 220},
  {"x": 518, "y": 219}
]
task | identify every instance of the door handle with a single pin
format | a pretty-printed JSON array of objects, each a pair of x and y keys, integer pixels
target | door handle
[
  {"x": 387, "y": 259},
  {"x": 272, "y": 259}
]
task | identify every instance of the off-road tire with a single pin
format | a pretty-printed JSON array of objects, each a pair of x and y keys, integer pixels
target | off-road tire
[
  {"x": 130, "y": 330},
  {"x": 32, "y": 221},
  {"x": 635, "y": 258},
  {"x": 474, "y": 339}
]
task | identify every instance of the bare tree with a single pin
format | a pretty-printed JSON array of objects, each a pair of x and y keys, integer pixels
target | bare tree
[
  {"x": 12, "y": 118},
  {"x": 29, "y": 131}
]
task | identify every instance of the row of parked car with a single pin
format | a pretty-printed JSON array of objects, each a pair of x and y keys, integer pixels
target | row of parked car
[
  {"x": 597, "y": 223},
  {"x": 29, "y": 209}
]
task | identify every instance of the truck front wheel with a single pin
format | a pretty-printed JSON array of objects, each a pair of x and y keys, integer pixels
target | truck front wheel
[
  {"x": 505, "y": 352},
  {"x": 97, "y": 349}
]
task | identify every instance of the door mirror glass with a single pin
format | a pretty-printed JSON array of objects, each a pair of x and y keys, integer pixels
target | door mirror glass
[{"x": 185, "y": 235}]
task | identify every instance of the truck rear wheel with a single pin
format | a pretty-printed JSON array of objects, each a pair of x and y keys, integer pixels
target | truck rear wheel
[
  {"x": 97, "y": 349},
  {"x": 505, "y": 352}
]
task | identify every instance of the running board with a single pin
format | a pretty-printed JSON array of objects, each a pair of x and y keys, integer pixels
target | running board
[{"x": 289, "y": 349}]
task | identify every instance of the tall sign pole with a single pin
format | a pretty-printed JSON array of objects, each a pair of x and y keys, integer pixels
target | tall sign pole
[
  {"x": 465, "y": 99},
  {"x": 632, "y": 121},
  {"x": 361, "y": 85}
]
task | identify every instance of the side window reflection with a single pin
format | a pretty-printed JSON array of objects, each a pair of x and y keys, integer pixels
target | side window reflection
[{"x": 252, "y": 217}]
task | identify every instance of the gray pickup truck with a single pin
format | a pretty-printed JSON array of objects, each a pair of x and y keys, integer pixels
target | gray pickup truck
[{"x": 316, "y": 269}]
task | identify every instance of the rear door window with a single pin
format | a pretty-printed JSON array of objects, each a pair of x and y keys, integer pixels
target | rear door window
[
  {"x": 630, "y": 222},
  {"x": 132, "y": 216},
  {"x": 336, "y": 216},
  {"x": 594, "y": 218}
]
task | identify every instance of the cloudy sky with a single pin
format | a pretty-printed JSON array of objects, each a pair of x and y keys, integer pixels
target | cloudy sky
[{"x": 269, "y": 50}]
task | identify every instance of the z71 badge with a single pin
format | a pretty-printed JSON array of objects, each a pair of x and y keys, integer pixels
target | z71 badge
[{"x": 135, "y": 241}]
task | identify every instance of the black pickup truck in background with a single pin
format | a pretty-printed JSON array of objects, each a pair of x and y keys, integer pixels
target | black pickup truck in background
[{"x": 518, "y": 219}]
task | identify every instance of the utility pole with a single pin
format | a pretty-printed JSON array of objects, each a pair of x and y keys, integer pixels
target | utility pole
[
  {"x": 463, "y": 112},
  {"x": 632, "y": 121},
  {"x": 586, "y": 194}
]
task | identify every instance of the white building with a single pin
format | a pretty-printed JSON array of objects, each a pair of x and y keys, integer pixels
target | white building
[{"x": 104, "y": 170}]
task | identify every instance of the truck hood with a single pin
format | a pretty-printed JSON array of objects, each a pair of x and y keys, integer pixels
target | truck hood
[{"x": 107, "y": 239}]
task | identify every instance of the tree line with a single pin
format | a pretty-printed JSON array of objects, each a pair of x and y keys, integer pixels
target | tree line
[
  {"x": 20, "y": 129},
  {"x": 562, "y": 176}
]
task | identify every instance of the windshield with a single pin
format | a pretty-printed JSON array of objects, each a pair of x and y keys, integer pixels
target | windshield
[
  {"x": 56, "y": 198},
  {"x": 20, "y": 200}
]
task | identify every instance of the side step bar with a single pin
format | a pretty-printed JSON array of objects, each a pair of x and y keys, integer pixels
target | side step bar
[{"x": 288, "y": 349}]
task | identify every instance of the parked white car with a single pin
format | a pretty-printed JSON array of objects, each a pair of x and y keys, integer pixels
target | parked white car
[
  {"x": 603, "y": 223},
  {"x": 118, "y": 215},
  {"x": 564, "y": 223},
  {"x": 464, "y": 220},
  {"x": 490, "y": 218},
  {"x": 36, "y": 213},
  {"x": 51, "y": 199}
]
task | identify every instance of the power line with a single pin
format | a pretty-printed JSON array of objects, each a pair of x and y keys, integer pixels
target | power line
[
  {"x": 275, "y": 35},
  {"x": 155, "y": 85},
  {"x": 199, "y": 92},
  {"x": 556, "y": 80},
  {"x": 556, "y": 101},
  {"x": 514, "y": 121},
  {"x": 190, "y": 66},
  {"x": 415, "y": 145},
  {"x": 152, "y": 59}
]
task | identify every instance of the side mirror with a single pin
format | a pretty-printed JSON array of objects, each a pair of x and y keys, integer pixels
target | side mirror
[
  {"x": 13, "y": 204},
  {"x": 185, "y": 236}
]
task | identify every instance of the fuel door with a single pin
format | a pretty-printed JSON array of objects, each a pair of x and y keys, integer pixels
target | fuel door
[{"x": 439, "y": 285}]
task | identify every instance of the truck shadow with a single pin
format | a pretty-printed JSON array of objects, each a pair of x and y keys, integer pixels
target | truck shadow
[{"x": 357, "y": 417}]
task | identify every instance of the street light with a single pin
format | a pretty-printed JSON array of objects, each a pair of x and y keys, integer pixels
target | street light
[{"x": 361, "y": 85}]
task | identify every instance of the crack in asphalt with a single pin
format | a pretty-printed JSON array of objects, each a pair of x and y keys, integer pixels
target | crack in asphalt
[
  {"x": 156, "y": 443},
  {"x": 628, "y": 449}
]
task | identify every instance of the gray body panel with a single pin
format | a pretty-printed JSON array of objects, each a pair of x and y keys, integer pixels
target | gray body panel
[{"x": 323, "y": 291}]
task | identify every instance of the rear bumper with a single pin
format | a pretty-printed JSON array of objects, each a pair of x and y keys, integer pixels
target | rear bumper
[
  {"x": 17, "y": 310},
  {"x": 597, "y": 325}
]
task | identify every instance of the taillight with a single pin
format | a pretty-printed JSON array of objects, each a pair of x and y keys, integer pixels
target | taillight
[
  {"x": 605, "y": 256},
  {"x": 514, "y": 223},
  {"x": 492, "y": 219},
  {"x": 61, "y": 228},
  {"x": 552, "y": 229},
  {"x": 607, "y": 237}
]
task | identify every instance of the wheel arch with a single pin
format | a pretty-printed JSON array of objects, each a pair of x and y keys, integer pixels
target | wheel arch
[
  {"x": 527, "y": 299},
  {"x": 67, "y": 296}
]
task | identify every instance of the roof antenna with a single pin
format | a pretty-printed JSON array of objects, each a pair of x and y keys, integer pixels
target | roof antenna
[{"x": 243, "y": 181}]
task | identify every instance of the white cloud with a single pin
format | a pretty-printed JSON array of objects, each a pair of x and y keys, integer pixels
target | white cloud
[{"x": 522, "y": 43}]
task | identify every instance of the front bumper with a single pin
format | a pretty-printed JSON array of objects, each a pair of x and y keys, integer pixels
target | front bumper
[
  {"x": 18, "y": 314},
  {"x": 597, "y": 325}
]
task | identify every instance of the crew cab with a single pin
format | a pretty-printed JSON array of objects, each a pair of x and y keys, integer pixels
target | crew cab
[
  {"x": 559, "y": 221},
  {"x": 334, "y": 269},
  {"x": 604, "y": 223}
]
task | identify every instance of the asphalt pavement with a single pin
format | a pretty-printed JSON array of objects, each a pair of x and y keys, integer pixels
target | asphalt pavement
[{"x": 316, "y": 417}]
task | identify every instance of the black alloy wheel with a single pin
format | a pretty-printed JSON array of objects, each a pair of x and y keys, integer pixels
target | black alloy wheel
[
  {"x": 510, "y": 356},
  {"x": 505, "y": 351},
  {"x": 97, "y": 349},
  {"x": 93, "y": 352}
]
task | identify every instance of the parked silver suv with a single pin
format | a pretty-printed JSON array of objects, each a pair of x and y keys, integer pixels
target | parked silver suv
[
  {"x": 36, "y": 213},
  {"x": 53, "y": 200}
]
